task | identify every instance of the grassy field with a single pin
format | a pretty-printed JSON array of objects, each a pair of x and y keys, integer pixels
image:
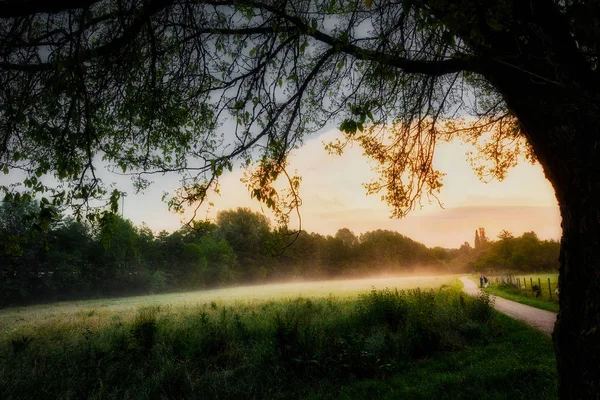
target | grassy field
[
  {"x": 265, "y": 342},
  {"x": 546, "y": 301},
  {"x": 126, "y": 307}
]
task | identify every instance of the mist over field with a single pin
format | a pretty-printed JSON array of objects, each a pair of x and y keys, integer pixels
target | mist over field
[
  {"x": 338, "y": 288},
  {"x": 284, "y": 340},
  {"x": 75, "y": 261}
]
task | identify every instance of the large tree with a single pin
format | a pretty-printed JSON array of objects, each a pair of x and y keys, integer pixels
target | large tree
[{"x": 145, "y": 86}]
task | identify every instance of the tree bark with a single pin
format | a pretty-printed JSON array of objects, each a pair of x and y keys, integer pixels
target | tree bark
[
  {"x": 575, "y": 176},
  {"x": 577, "y": 331},
  {"x": 563, "y": 127}
]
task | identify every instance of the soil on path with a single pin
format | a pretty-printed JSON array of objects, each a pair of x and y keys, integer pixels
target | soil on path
[{"x": 540, "y": 319}]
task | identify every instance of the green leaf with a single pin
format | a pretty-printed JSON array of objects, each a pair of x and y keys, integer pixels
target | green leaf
[
  {"x": 303, "y": 46},
  {"x": 348, "y": 126},
  {"x": 240, "y": 104}
]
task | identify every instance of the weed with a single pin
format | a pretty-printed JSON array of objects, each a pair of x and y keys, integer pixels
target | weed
[
  {"x": 20, "y": 344},
  {"x": 203, "y": 318}
]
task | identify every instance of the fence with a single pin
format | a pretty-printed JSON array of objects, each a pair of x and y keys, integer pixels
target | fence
[{"x": 537, "y": 288}]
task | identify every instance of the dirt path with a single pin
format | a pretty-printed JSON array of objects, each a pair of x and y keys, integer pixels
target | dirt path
[{"x": 539, "y": 319}]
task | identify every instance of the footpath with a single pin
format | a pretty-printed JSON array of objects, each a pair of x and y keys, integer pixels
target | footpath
[{"x": 540, "y": 319}]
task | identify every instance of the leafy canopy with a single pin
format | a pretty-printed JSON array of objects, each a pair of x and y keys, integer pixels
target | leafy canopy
[{"x": 198, "y": 86}]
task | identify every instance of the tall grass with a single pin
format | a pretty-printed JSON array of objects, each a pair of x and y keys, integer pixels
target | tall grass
[{"x": 276, "y": 349}]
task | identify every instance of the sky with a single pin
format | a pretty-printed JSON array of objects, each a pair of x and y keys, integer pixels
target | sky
[{"x": 333, "y": 198}]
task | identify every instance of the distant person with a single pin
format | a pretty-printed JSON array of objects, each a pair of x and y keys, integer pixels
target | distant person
[
  {"x": 481, "y": 281},
  {"x": 485, "y": 281}
]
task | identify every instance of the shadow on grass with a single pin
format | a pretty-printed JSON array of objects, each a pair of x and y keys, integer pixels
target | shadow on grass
[{"x": 519, "y": 365}]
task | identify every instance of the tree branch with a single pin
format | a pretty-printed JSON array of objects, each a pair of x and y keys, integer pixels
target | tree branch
[
  {"x": 129, "y": 35},
  {"x": 23, "y": 8},
  {"x": 26, "y": 67},
  {"x": 434, "y": 68}
]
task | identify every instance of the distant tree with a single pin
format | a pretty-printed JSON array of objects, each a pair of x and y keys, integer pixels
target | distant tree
[
  {"x": 220, "y": 260},
  {"x": 68, "y": 265},
  {"x": 483, "y": 239},
  {"x": 465, "y": 248},
  {"x": 304, "y": 257},
  {"x": 440, "y": 254},
  {"x": 247, "y": 232},
  {"x": 392, "y": 250},
  {"x": 117, "y": 257},
  {"x": 24, "y": 224},
  {"x": 16, "y": 226},
  {"x": 525, "y": 254},
  {"x": 347, "y": 237},
  {"x": 336, "y": 256},
  {"x": 505, "y": 248},
  {"x": 197, "y": 229},
  {"x": 148, "y": 247}
]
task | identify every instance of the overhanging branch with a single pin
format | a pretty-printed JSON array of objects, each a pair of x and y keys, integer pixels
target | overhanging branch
[
  {"x": 434, "y": 68},
  {"x": 23, "y": 8},
  {"x": 296, "y": 23}
]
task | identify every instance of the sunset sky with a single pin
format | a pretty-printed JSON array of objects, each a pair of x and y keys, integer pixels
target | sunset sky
[{"x": 333, "y": 198}]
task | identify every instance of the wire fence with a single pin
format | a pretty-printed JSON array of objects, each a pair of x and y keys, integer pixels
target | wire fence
[{"x": 530, "y": 286}]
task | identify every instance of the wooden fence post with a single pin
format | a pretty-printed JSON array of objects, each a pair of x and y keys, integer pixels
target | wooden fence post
[
  {"x": 549, "y": 289},
  {"x": 525, "y": 283},
  {"x": 531, "y": 283},
  {"x": 519, "y": 283}
]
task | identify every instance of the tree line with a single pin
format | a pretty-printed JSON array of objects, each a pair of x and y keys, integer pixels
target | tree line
[
  {"x": 70, "y": 259},
  {"x": 526, "y": 253}
]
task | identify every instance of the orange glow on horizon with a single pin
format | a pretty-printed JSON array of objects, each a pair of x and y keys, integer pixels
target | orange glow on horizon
[{"x": 333, "y": 198}]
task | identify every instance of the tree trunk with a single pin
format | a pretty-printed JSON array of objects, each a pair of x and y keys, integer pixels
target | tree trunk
[
  {"x": 577, "y": 331},
  {"x": 574, "y": 171},
  {"x": 564, "y": 130}
]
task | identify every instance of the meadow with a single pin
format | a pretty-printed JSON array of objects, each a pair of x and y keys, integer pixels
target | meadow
[
  {"x": 126, "y": 307},
  {"x": 334, "y": 339},
  {"x": 547, "y": 300}
]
